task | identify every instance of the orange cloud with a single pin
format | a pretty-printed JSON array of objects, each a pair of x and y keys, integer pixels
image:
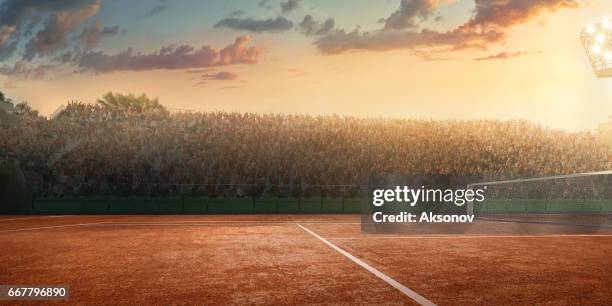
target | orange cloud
[
  {"x": 220, "y": 76},
  {"x": 506, "y": 13},
  {"x": 18, "y": 18},
  {"x": 487, "y": 26},
  {"x": 55, "y": 32},
  {"x": 172, "y": 58},
  {"x": 409, "y": 13},
  {"x": 501, "y": 55}
]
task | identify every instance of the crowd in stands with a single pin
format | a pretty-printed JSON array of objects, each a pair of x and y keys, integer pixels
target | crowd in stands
[{"x": 119, "y": 149}]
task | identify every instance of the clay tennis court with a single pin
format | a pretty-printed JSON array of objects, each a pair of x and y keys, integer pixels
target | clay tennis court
[{"x": 297, "y": 259}]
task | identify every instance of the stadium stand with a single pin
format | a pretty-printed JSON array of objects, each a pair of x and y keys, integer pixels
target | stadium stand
[
  {"x": 15, "y": 196},
  {"x": 96, "y": 151}
]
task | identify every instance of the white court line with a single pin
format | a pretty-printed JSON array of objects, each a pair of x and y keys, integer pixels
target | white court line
[
  {"x": 112, "y": 223},
  {"x": 173, "y": 223},
  {"x": 395, "y": 284},
  {"x": 25, "y": 218},
  {"x": 49, "y": 227},
  {"x": 232, "y": 222},
  {"x": 187, "y": 224},
  {"x": 472, "y": 236}
]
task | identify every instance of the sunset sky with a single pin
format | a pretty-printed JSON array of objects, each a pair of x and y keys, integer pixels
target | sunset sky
[{"x": 440, "y": 59}]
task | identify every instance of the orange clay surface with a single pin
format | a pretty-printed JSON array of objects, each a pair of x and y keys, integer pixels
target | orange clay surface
[{"x": 269, "y": 259}]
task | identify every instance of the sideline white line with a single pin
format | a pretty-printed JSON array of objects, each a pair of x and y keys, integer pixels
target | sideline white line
[
  {"x": 395, "y": 284},
  {"x": 49, "y": 227},
  {"x": 26, "y": 218},
  {"x": 472, "y": 236},
  {"x": 175, "y": 223}
]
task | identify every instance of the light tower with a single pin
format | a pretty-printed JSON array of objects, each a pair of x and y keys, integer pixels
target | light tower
[{"x": 597, "y": 40}]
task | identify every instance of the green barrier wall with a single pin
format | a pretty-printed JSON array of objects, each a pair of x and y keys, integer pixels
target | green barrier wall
[
  {"x": 543, "y": 206},
  {"x": 243, "y": 206},
  {"x": 285, "y": 205},
  {"x": 266, "y": 205},
  {"x": 219, "y": 205},
  {"x": 119, "y": 205},
  {"x": 352, "y": 205},
  {"x": 311, "y": 205},
  {"x": 193, "y": 205},
  {"x": 332, "y": 205},
  {"x": 171, "y": 205},
  {"x": 288, "y": 205}
]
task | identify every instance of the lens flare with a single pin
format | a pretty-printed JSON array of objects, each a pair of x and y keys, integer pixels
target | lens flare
[
  {"x": 596, "y": 49},
  {"x": 590, "y": 29}
]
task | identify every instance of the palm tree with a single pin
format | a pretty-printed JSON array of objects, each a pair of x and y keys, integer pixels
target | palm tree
[{"x": 23, "y": 108}]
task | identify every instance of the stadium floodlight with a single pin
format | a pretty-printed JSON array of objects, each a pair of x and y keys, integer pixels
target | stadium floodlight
[{"x": 597, "y": 40}]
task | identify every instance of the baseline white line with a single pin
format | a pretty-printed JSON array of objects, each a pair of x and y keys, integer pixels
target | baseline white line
[
  {"x": 49, "y": 227},
  {"x": 473, "y": 236},
  {"x": 189, "y": 224},
  {"x": 232, "y": 222},
  {"x": 395, "y": 284}
]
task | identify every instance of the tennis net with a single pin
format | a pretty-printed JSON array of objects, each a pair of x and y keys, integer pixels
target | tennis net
[{"x": 583, "y": 199}]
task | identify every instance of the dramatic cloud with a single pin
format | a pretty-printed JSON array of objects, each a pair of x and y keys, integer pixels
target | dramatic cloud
[
  {"x": 21, "y": 17},
  {"x": 158, "y": 10},
  {"x": 64, "y": 58},
  {"x": 341, "y": 41},
  {"x": 253, "y": 25},
  {"x": 311, "y": 27},
  {"x": 7, "y": 48},
  {"x": 236, "y": 13},
  {"x": 501, "y": 55},
  {"x": 409, "y": 12},
  {"x": 21, "y": 71},
  {"x": 91, "y": 35},
  {"x": 181, "y": 57},
  {"x": 263, "y": 3},
  {"x": 239, "y": 52},
  {"x": 290, "y": 6},
  {"x": 505, "y": 13},
  {"x": 17, "y": 12},
  {"x": 220, "y": 76},
  {"x": 54, "y": 34},
  {"x": 216, "y": 76},
  {"x": 199, "y": 71},
  {"x": 5, "y": 34},
  {"x": 488, "y": 25}
]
